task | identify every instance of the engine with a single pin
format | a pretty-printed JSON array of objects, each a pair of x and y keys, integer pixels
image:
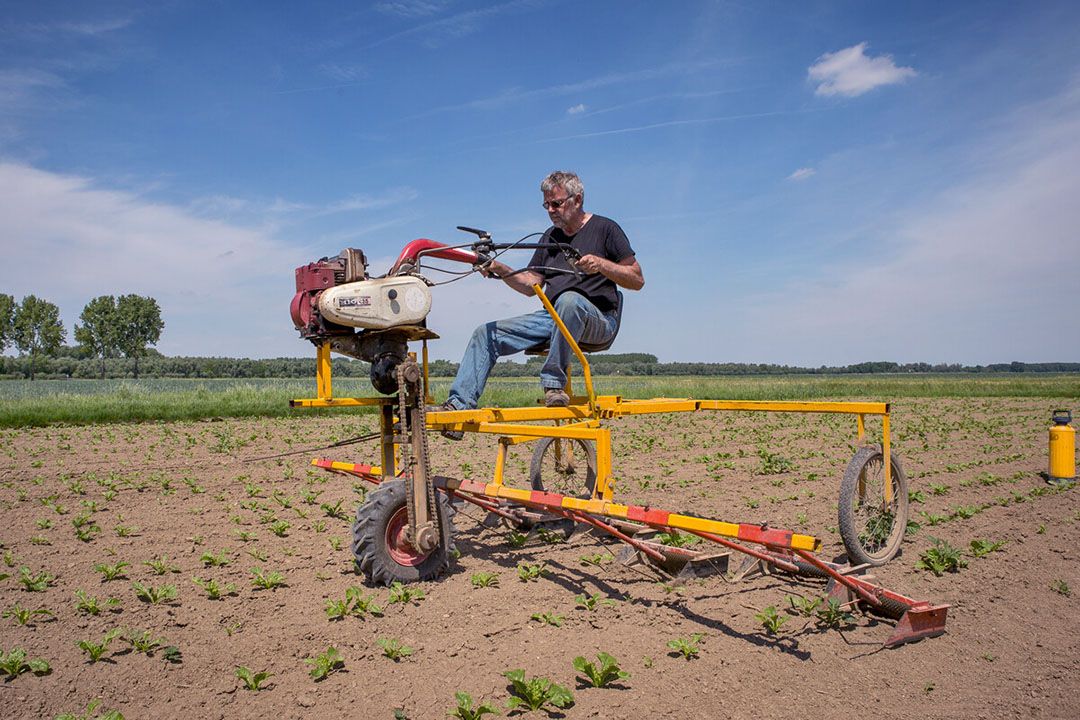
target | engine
[{"x": 371, "y": 319}]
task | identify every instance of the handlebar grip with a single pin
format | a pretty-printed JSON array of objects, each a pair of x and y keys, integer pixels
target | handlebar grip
[{"x": 482, "y": 234}]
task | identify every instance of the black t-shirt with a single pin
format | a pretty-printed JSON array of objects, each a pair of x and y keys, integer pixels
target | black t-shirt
[{"x": 600, "y": 236}]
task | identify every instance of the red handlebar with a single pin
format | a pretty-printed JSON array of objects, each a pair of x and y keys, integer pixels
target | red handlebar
[{"x": 413, "y": 249}]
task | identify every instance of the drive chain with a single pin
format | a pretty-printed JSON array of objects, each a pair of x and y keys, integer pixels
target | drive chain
[{"x": 410, "y": 392}]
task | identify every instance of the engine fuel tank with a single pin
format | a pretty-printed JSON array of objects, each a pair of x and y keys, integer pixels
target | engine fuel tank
[{"x": 377, "y": 304}]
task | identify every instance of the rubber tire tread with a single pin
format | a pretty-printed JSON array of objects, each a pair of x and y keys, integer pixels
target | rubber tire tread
[
  {"x": 849, "y": 531},
  {"x": 536, "y": 467},
  {"x": 369, "y": 537}
]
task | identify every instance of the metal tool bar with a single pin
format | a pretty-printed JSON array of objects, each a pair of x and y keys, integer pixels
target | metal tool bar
[
  {"x": 865, "y": 408},
  {"x": 758, "y": 534}
]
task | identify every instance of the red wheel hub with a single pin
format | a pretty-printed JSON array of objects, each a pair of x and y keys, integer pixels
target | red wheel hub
[{"x": 397, "y": 541}]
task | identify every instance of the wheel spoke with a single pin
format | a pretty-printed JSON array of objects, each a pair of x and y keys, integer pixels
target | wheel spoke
[{"x": 872, "y": 528}]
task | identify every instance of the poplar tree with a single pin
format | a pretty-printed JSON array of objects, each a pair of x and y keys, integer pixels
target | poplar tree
[
  {"x": 37, "y": 328},
  {"x": 139, "y": 325},
  {"x": 100, "y": 329}
]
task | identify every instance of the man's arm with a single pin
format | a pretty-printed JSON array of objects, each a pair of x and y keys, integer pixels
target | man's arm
[
  {"x": 625, "y": 273},
  {"x": 521, "y": 281}
]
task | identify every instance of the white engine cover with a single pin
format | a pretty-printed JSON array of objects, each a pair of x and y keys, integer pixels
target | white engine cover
[{"x": 377, "y": 304}]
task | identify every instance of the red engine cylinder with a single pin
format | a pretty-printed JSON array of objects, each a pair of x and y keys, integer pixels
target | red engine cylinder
[{"x": 311, "y": 279}]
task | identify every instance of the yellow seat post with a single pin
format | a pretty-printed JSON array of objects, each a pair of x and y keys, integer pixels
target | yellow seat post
[{"x": 586, "y": 372}]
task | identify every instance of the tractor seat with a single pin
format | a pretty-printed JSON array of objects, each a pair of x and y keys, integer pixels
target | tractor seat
[{"x": 542, "y": 347}]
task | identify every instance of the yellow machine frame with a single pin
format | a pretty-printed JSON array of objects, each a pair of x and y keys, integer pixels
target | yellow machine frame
[{"x": 582, "y": 418}]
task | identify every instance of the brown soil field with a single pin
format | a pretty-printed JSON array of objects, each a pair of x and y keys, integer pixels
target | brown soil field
[{"x": 193, "y": 497}]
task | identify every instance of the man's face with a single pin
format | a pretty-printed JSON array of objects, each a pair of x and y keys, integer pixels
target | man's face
[{"x": 561, "y": 207}]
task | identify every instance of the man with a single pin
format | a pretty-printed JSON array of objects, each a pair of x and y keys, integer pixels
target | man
[{"x": 586, "y": 301}]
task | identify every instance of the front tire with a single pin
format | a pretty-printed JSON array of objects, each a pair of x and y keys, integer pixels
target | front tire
[{"x": 382, "y": 552}]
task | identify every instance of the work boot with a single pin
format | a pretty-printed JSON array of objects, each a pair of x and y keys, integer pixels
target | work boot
[
  {"x": 554, "y": 397},
  {"x": 448, "y": 434}
]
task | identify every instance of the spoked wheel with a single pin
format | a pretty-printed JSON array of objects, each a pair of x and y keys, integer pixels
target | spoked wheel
[
  {"x": 872, "y": 528},
  {"x": 564, "y": 466},
  {"x": 380, "y": 545}
]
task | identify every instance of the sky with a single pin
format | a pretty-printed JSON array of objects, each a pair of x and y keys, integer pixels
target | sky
[{"x": 819, "y": 183}]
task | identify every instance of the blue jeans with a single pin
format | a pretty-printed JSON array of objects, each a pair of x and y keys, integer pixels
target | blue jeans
[{"x": 496, "y": 339}]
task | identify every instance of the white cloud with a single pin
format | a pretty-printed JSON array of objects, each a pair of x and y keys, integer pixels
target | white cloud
[
  {"x": 392, "y": 196},
  {"x": 219, "y": 206},
  {"x": 95, "y": 27},
  {"x": 850, "y": 72},
  {"x": 344, "y": 73},
  {"x": 224, "y": 285},
  {"x": 438, "y": 32},
  {"x": 283, "y": 210},
  {"x": 412, "y": 8},
  {"x": 17, "y": 87},
  {"x": 576, "y": 109},
  {"x": 967, "y": 277},
  {"x": 801, "y": 174},
  {"x": 47, "y": 32},
  {"x": 223, "y": 288},
  {"x": 517, "y": 96}
]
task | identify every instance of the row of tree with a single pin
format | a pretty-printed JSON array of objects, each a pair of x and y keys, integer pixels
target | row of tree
[
  {"x": 110, "y": 327},
  {"x": 80, "y": 362}
]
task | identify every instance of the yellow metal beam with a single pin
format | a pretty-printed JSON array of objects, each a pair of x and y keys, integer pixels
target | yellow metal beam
[
  {"x": 524, "y": 414},
  {"x": 323, "y": 372},
  {"x": 655, "y": 405},
  {"x": 887, "y": 459},
  {"x": 579, "y": 430},
  {"x": 500, "y": 460},
  {"x": 865, "y": 408},
  {"x": 341, "y": 402},
  {"x": 605, "y": 485},
  {"x": 352, "y": 468},
  {"x": 608, "y": 405}
]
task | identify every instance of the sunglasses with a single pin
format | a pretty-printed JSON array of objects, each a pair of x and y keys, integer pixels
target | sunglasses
[{"x": 556, "y": 204}]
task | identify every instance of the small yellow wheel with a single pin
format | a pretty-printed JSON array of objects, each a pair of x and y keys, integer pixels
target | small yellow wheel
[
  {"x": 871, "y": 526},
  {"x": 564, "y": 466}
]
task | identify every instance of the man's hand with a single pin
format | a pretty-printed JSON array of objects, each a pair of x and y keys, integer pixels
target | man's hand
[
  {"x": 592, "y": 264},
  {"x": 520, "y": 280},
  {"x": 494, "y": 269},
  {"x": 626, "y": 273}
]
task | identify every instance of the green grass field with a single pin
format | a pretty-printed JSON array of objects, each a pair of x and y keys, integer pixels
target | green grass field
[{"x": 45, "y": 402}]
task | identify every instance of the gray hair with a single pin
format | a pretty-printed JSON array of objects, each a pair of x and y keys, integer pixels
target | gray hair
[{"x": 565, "y": 179}]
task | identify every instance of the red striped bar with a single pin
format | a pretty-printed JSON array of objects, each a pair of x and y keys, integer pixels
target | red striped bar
[
  {"x": 763, "y": 535},
  {"x": 660, "y": 519},
  {"x": 647, "y": 515},
  {"x": 371, "y": 473}
]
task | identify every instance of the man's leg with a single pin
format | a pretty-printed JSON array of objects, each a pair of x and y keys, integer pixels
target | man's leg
[
  {"x": 488, "y": 343},
  {"x": 585, "y": 323}
]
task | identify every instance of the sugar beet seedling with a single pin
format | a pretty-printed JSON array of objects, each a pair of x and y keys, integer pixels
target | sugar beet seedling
[{"x": 403, "y": 531}]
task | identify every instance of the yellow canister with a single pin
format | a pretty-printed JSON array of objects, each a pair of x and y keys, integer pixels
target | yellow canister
[{"x": 1062, "y": 448}]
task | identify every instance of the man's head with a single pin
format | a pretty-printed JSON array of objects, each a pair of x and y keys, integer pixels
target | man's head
[{"x": 564, "y": 198}]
